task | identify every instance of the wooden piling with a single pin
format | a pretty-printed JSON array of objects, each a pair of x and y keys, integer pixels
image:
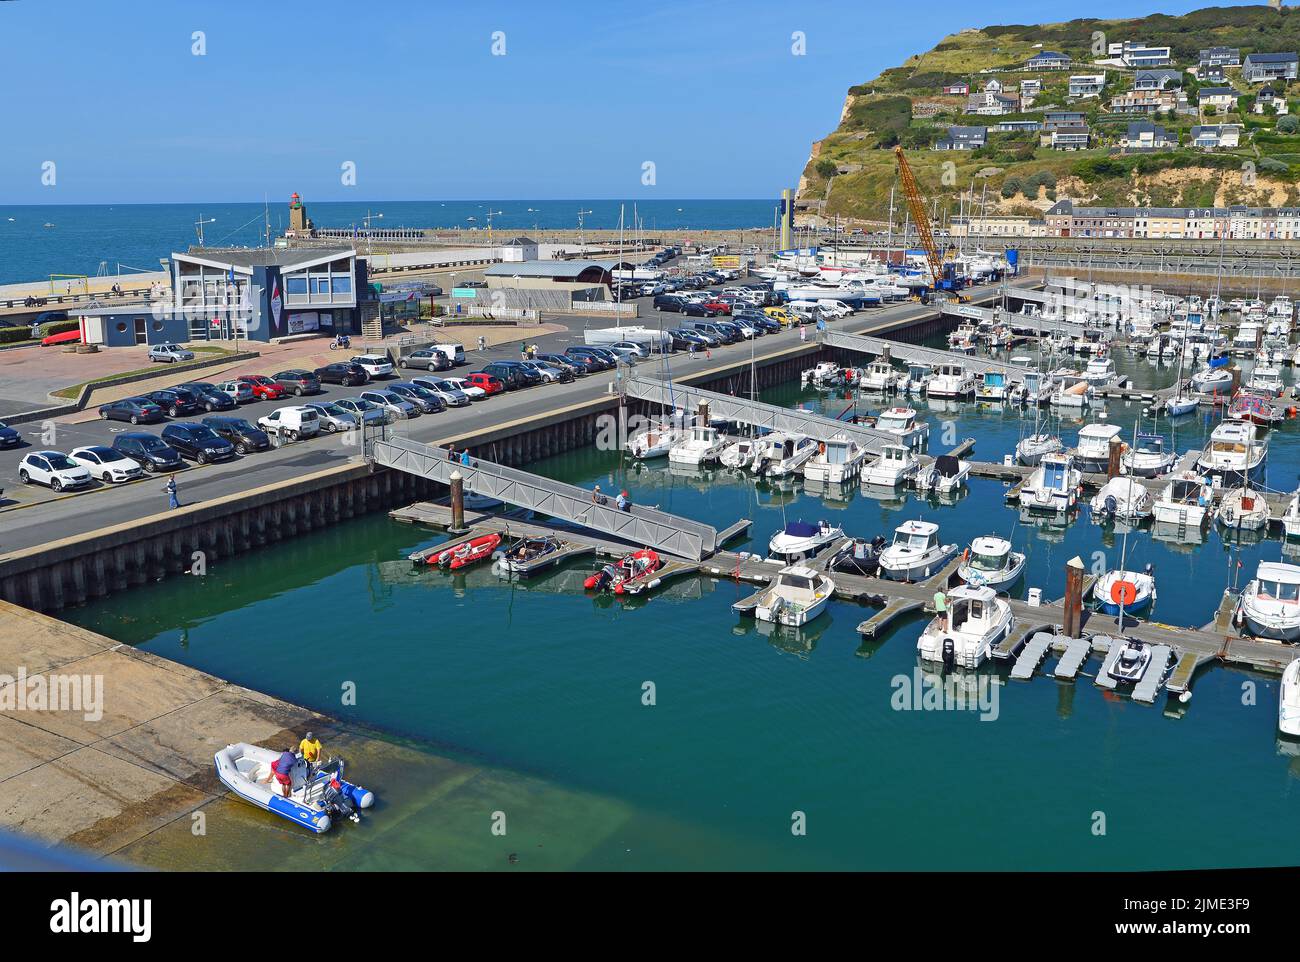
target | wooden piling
[{"x": 1073, "y": 603}]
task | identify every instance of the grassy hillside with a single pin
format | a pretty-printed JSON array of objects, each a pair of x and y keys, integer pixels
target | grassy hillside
[{"x": 851, "y": 171}]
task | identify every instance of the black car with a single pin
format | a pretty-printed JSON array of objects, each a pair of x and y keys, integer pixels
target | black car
[
  {"x": 564, "y": 363},
  {"x": 602, "y": 363},
  {"x": 426, "y": 359},
  {"x": 149, "y": 451},
  {"x": 676, "y": 342},
  {"x": 208, "y": 397},
  {"x": 297, "y": 382},
  {"x": 587, "y": 362},
  {"x": 668, "y": 302},
  {"x": 343, "y": 372},
  {"x": 239, "y": 432},
  {"x": 198, "y": 442},
  {"x": 510, "y": 374},
  {"x": 421, "y": 397},
  {"x": 696, "y": 309},
  {"x": 9, "y": 438},
  {"x": 136, "y": 410},
  {"x": 174, "y": 403}
]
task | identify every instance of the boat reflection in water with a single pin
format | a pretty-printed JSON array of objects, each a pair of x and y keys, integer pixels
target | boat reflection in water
[
  {"x": 801, "y": 641},
  {"x": 1181, "y": 537}
]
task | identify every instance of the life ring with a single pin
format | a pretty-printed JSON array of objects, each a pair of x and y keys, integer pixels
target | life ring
[{"x": 1123, "y": 593}]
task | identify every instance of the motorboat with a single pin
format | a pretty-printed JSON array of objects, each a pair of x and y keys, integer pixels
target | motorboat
[
  {"x": 633, "y": 573},
  {"x": 1288, "y": 700},
  {"x": 903, "y": 423},
  {"x": 837, "y": 460},
  {"x": 1185, "y": 501},
  {"x": 796, "y": 597},
  {"x": 1054, "y": 485},
  {"x": 780, "y": 454},
  {"x": 916, "y": 380},
  {"x": 466, "y": 553},
  {"x": 950, "y": 380},
  {"x": 915, "y": 553},
  {"x": 859, "y": 556},
  {"x": 1233, "y": 450},
  {"x": 1212, "y": 380},
  {"x": 1034, "y": 448},
  {"x": 1133, "y": 590},
  {"x": 1243, "y": 509},
  {"x": 965, "y": 635},
  {"x": 989, "y": 562},
  {"x": 739, "y": 453},
  {"x": 1123, "y": 498},
  {"x": 878, "y": 376},
  {"x": 800, "y": 540},
  {"x": 1100, "y": 371},
  {"x": 1269, "y": 606},
  {"x": 655, "y": 442},
  {"x": 1092, "y": 456},
  {"x": 944, "y": 476},
  {"x": 993, "y": 388},
  {"x": 895, "y": 464},
  {"x": 1257, "y": 410},
  {"x": 1073, "y": 391},
  {"x": 1281, "y": 307},
  {"x": 1132, "y": 661},
  {"x": 826, "y": 374},
  {"x": 318, "y": 796},
  {"x": 1148, "y": 457},
  {"x": 1266, "y": 381},
  {"x": 702, "y": 445},
  {"x": 1039, "y": 386},
  {"x": 528, "y": 556}
]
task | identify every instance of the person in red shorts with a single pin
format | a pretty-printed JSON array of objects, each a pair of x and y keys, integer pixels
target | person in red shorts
[{"x": 282, "y": 769}]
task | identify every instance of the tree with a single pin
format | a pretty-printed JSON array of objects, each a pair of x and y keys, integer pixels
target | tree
[
  {"x": 825, "y": 168},
  {"x": 1010, "y": 187},
  {"x": 1289, "y": 124}
]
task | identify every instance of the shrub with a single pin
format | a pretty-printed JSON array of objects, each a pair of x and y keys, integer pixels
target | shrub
[
  {"x": 1288, "y": 124},
  {"x": 1271, "y": 165},
  {"x": 825, "y": 168},
  {"x": 1010, "y": 187}
]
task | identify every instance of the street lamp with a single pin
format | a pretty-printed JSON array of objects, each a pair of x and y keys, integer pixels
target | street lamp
[{"x": 198, "y": 226}]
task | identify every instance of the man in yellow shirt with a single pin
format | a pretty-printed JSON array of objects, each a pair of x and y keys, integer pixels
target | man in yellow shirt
[{"x": 311, "y": 750}]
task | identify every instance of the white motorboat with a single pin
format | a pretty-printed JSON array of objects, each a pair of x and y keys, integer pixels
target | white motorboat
[
  {"x": 1243, "y": 509},
  {"x": 1039, "y": 387},
  {"x": 1148, "y": 457},
  {"x": 800, "y": 540},
  {"x": 915, "y": 553},
  {"x": 739, "y": 453},
  {"x": 1073, "y": 391},
  {"x": 917, "y": 378},
  {"x": 1212, "y": 380},
  {"x": 797, "y": 596},
  {"x": 1100, "y": 371},
  {"x": 993, "y": 388},
  {"x": 825, "y": 374},
  {"x": 1291, "y": 517},
  {"x": 1132, "y": 662},
  {"x": 944, "y": 476},
  {"x": 1034, "y": 448},
  {"x": 1186, "y": 500},
  {"x": 895, "y": 464},
  {"x": 1233, "y": 450},
  {"x": 655, "y": 442},
  {"x": 989, "y": 562},
  {"x": 781, "y": 454},
  {"x": 1281, "y": 307},
  {"x": 903, "y": 423},
  {"x": 838, "y": 460},
  {"x": 1288, "y": 700},
  {"x": 702, "y": 445},
  {"x": 313, "y": 801},
  {"x": 1124, "y": 498},
  {"x": 1269, "y": 606},
  {"x": 950, "y": 381},
  {"x": 964, "y": 636},
  {"x": 1054, "y": 485},
  {"x": 1092, "y": 455},
  {"x": 1133, "y": 590},
  {"x": 878, "y": 376},
  {"x": 1267, "y": 381}
]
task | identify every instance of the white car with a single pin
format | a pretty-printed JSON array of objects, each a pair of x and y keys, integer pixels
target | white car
[
  {"x": 640, "y": 350},
  {"x": 170, "y": 353},
  {"x": 472, "y": 391},
  {"x": 53, "y": 469},
  {"x": 298, "y": 421},
  {"x": 106, "y": 464},
  {"x": 376, "y": 365}
]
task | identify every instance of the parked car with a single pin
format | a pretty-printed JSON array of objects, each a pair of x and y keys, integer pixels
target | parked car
[
  {"x": 363, "y": 410},
  {"x": 625, "y": 355},
  {"x": 489, "y": 384},
  {"x": 691, "y": 336},
  {"x": 344, "y": 372},
  {"x": 333, "y": 417},
  {"x": 696, "y": 309},
  {"x": 170, "y": 353},
  {"x": 471, "y": 391},
  {"x": 576, "y": 368},
  {"x": 589, "y": 362},
  {"x": 668, "y": 302},
  {"x": 426, "y": 359},
  {"x": 198, "y": 442},
  {"x": 149, "y": 451},
  {"x": 108, "y": 465},
  {"x": 136, "y": 410},
  {"x": 244, "y": 436},
  {"x": 375, "y": 365},
  {"x": 9, "y": 438},
  {"x": 293, "y": 422},
  {"x": 393, "y": 403},
  {"x": 427, "y": 401},
  {"x": 718, "y": 306},
  {"x": 604, "y": 360},
  {"x": 298, "y": 382},
  {"x": 264, "y": 388},
  {"x": 54, "y": 469},
  {"x": 175, "y": 403},
  {"x": 639, "y": 350},
  {"x": 511, "y": 374},
  {"x": 549, "y": 372},
  {"x": 241, "y": 392},
  {"x": 210, "y": 397},
  {"x": 452, "y": 397}
]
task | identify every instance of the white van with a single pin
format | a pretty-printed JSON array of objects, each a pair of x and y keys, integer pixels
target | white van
[
  {"x": 833, "y": 307},
  {"x": 453, "y": 352},
  {"x": 295, "y": 422}
]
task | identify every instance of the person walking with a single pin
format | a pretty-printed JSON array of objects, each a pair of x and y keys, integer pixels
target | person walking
[
  {"x": 941, "y": 607},
  {"x": 482, "y": 343},
  {"x": 803, "y": 332},
  {"x": 170, "y": 488}
]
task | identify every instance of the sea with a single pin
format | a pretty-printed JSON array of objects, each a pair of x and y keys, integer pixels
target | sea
[
  {"x": 723, "y": 745},
  {"x": 112, "y": 239}
]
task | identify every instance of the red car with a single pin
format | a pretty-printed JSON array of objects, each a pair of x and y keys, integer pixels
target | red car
[
  {"x": 67, "y": 337},
  {"x": 488, "y": 382},
  {"x": 722, "y": 307},
  {"x": 263, "y": 387}
]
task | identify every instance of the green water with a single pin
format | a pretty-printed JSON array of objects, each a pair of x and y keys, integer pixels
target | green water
[{"x": 749, "y": 728}]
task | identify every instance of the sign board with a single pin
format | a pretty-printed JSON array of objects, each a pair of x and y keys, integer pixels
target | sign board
[
  {"x": 304, "y": 321},
  {"x": 470, "y": 292},
  {"x": 731, "y": 261}
]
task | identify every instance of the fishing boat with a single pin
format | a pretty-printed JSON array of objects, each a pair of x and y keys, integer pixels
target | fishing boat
[
  {"x": 989, "y": 562},
  {"x": 1054, "y": 485},
  {"x": 917, "y": 378},
  {"x": 1255, "y": 409},
  {"x": 894, "y": 465},
  {"x": 878, "y": 376},
  {"x": 1269, "y": 606},
  {"x": 1132, "y": 661},
  {"x": 317, "y": 796},
  {"x": 1131, "y": 590},
  {"x": 1124, "y": 498},
  {"x": 1039, "y": 387},
  {"x": 702, "y": 445},
  {"x": 466, "y": 553},
  {"x": 915, "y": 553},
  {"x": 944, "y": 476},
  {"x": 903, "y": 423},
  {"x": 1073, "y": 391},
  {"x": 993, "y": 387},
  {"x": 1100, "y": 371},
  {"x": 633, "y": 573},
  {"x": 801, "y": 540},
  {"x": 859, "y": 556},
  {"x": 1031, "y": 450},
  {"x": 1185, "y": 500},
  {"x": 1233, "y": 450},
  {"x": 1147, "y": 458},
  {"x": 797, "y": 596},
  {"x": 826, "y": 374},
  {"x": 655, "y": 442},
  {"x": 739, "y": 453},
  {"x": 838, "y": 460},
  {"x": 1243, "y": 509},
  {"x": 780, "y": 454},
  {"x": 964, "y": 636},
  {"x": 531, "y": 555},
  {"x": 950, "y": 381},
  {"x": 1093, "y": 452},
  {"x": 1288, "y": 700}
]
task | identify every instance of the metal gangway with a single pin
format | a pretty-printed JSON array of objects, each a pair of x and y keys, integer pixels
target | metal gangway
[
  {"x": 770, "y": 417},
  {"x": 639, "y": 525},
  {"x": 914, "y": 354}
]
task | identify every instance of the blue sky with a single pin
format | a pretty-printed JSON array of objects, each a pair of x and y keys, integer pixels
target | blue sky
[{"x": 411, "y": 93}]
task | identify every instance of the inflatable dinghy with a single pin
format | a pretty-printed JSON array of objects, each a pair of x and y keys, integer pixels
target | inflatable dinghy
[{"x": 316, "y": 799}]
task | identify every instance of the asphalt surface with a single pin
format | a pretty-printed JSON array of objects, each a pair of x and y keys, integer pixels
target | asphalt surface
[{"x": 31, "y": 515}]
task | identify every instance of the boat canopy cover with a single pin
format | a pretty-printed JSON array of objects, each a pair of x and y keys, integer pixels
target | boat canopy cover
[
  {"x": 801, "y": 529},
  {"x": 1156, "y": 441},
  {"x": 947, "y": 465}
]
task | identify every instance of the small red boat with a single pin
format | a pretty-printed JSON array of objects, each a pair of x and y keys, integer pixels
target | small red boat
[
  {"x": 467, "y": 553},
  {"x": 631, "y": 574}
]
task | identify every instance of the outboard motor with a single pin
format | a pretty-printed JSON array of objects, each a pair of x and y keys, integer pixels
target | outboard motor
[
  {"x": 949, "y": 654},
  {"x": 1111, "y": 505}
]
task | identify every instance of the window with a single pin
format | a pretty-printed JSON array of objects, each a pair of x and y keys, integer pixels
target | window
[
  {"x": 157, "y": 325},
  {"x": 295, "y": 284},
  {"x": 121, "y": 327}
]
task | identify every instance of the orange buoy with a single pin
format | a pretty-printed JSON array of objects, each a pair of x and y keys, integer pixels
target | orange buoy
[{"x": 1123, "y": 593}]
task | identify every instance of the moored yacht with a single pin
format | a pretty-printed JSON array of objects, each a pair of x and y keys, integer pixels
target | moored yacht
[
  {"x": 1132, "y": 590},
  {"x": 1124, "y": 498},
  {"x": 796, "y": 597},
  {"x": 1185, "y": 500},
  {"x": 1233, "y": 450},
  {"x": 1034, "y": 448},
  {"x": 655, "y": 442},
  {"x": 895, "y": 464},
  {"x": 739, "y": 453},
  {"x": 1054, "y": 485},
  {"x": 989, "y": 562},
  {"x": 903, "y": 423},
  {"x": 1269, "y": 606},
  {"x": 1148, "y": 457},
  {"x": 1266, "y": 380},
  {"x": 950, "y": 381},
  {"x": 1288, "y": 700},
  {"x": 915, "y": 553},
  {"x": 964, "y": 636},
  {"x": 1100, "y": 371},
  {"x": 838, "y": 460},
  {"x": 799, "y": 540},
  {"x": 878, "y": 376},
  {"x": 1093, "y": 452},
  {"x": 781, "y": 454},
  {"x": 1243, "y": 509},
  {"x": 702, "y": 445}
]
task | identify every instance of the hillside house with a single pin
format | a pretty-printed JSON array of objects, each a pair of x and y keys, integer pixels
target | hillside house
[
  {"x": 1216, "y": 100},
  {"x": 1270, "y": 99},
  {"x": 1216, "y": 136},
  {"x": 1087, "y": 85},
  {"x": 1266, "y": 67},
  {"x": 1144, "y": 136}
]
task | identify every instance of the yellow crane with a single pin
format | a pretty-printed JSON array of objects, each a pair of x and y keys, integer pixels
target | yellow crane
[{"x": 916, "y": 203}]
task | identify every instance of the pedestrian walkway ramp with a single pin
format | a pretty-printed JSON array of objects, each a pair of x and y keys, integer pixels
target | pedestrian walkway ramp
[
  {"x": 915, "y": 354},
  {"x": 639, "y": 526}
]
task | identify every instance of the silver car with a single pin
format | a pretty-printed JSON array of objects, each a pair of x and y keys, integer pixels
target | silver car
[
  {"x": 393, "y": 403},
  {"x": 364, "y": 411},
  {"x": 333, "y": 417},
  {"x": 452, "y": 396}
]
